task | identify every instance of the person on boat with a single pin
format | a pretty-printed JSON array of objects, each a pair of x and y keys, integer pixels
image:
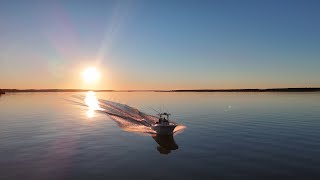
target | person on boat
[
  {"x": 160, "y": 120},
  {"x": 165, "y": 121}
]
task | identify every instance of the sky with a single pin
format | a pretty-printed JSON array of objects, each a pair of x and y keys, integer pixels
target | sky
[{"x": 216, "y": 44}]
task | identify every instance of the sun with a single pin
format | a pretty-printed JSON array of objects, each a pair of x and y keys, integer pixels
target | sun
[{"x": 90, "y": 75}]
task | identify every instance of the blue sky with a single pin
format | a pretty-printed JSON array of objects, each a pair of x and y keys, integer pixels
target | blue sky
[{"x": 160, "y": 44}]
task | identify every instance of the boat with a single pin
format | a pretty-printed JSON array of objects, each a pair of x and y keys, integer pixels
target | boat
[
  {"x": 164, "y": 126},
  {"x": 166, "y": 143}
]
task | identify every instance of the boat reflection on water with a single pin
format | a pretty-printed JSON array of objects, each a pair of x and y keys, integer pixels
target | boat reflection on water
[{"x": 166, "y": 143}]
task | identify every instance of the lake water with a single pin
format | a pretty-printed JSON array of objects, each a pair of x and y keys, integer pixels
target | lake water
[{"x": 227, "y": 136}]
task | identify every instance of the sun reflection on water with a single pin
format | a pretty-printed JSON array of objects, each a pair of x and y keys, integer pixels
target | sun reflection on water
[{"x": 92, "y": 103}]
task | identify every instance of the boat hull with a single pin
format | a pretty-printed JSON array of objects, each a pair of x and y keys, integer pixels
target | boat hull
[
  {"x": 166, "y": 143},
  {"x": 164, "y": 130}
]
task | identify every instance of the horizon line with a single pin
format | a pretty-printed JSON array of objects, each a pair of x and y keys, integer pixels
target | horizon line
[{"x": 299, "y": 89}]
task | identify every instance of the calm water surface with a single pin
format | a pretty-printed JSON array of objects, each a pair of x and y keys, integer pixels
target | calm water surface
[{"x": 228, "y": 136}]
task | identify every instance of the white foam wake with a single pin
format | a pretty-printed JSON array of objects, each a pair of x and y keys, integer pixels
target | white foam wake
[{"x": 127, "y": 118}]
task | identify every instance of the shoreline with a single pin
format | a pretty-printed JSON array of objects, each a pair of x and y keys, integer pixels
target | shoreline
[{"x": 180, "y": 90}]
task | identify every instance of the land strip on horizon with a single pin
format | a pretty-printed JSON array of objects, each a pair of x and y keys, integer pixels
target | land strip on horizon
[{"x": 313, "y": 89}]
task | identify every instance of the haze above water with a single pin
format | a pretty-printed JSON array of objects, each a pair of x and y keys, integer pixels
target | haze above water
[{"x": 227, "y": 135}]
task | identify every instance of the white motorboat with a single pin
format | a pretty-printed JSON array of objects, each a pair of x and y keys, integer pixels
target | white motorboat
[{"x": 164, "y": 126}]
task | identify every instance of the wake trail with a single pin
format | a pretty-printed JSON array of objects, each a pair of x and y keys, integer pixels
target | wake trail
[{"x": 127, "y": 118}]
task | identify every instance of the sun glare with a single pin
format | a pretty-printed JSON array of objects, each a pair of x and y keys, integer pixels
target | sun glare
[
  {"x": 90, "y": 75},
  {"x": 92, "y": 103}
]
